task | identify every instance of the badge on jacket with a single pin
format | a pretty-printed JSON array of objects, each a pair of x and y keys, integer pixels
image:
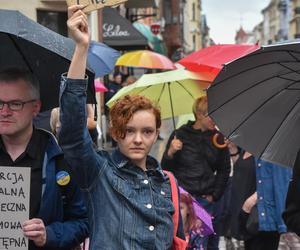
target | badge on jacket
[{"x": 62, "y": 178}]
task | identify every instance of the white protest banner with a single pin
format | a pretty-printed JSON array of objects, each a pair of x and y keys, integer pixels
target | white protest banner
[
  {"x": 91, "y": 5},
  {"x": 14, "y": 206}
]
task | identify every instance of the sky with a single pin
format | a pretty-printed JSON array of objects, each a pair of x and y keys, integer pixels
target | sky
[{"x": 225, "y": 17}]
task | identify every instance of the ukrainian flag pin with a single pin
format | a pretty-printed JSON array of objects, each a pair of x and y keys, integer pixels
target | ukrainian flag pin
[{"x": 62, "y": 178}]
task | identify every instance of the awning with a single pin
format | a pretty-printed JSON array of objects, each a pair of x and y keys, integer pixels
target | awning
[
  {"x": 140, "y": 4},
  {"x": 119, "y": 33},
  {"x": 155, "y": 42}
]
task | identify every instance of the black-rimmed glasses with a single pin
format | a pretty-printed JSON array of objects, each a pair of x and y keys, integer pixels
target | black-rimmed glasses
[{"x": 15, "y": 105}]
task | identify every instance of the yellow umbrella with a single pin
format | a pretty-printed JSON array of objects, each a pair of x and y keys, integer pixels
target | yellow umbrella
[
  {"x": 173, "y": 91},
  {"x": 145, "y": 59}
]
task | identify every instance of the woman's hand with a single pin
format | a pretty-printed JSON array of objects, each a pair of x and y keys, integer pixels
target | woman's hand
[{"x": 78, "y": 25}]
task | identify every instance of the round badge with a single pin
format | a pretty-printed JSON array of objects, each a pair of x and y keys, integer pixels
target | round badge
[{"x": 62, "y": 178}]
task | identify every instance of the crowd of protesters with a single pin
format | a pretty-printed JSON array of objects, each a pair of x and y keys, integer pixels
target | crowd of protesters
[{"x": 124, "y": 199}]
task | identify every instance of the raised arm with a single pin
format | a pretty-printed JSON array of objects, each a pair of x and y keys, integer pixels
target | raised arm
[
  {"x": 74, "y": 137},
  {"x": 79, "y": 30}
]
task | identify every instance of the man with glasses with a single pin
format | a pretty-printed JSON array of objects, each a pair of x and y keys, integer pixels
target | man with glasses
[{"x": 57, "y": 216}]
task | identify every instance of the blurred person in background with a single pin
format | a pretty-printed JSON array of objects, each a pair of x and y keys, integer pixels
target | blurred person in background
[
  {"x": 191, "y": 224},
  {"x": 201, "y": 167}
]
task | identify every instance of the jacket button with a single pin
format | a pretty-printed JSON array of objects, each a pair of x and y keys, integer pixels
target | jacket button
[
  {"x": 149, "y": 206},
  {"x": 162, "y": 192},
  {"x": 146, "y": 181},
  {"x": 151, "y": 228}
]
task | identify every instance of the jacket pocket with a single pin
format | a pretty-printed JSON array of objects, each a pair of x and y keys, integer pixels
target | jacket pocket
[
  {"x": 163, "y": 197},
  {"x": 124, "y": 186}
]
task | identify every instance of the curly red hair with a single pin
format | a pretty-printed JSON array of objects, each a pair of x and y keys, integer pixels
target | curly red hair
[{"x": 124, "y": 108}]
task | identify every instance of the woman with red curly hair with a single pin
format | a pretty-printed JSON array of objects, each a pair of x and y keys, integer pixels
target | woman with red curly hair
[
  {"x": 128, "y": 195},
  {"x": 191, "y": 224}
]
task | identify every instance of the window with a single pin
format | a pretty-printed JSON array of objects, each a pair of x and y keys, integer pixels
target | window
[
  {"x": 194, "y": 42},
  {"x": 53, "y": 20},
  {"x": 167, "y": 7},
  {"x": 194, "y": 12},
  {"x": 298, "y": 25}
]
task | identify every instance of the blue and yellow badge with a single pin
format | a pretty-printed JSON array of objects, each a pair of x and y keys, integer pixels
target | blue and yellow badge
[{"x": 62, "y": 178}]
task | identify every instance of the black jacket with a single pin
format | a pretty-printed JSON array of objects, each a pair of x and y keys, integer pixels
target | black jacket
[
  {"x": 200, "y": 167},
  {"x": 291, "y": 215}
]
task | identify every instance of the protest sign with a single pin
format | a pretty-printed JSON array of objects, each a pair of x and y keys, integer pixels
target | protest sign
[
  {"x": 91, "y": 5},
  {"x": 14, "y": 206}
]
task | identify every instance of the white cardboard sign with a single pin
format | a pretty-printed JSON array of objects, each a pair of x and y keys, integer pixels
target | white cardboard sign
[
  {"x": 91, "y": 5},
  {"x": 14, "y": 206}
]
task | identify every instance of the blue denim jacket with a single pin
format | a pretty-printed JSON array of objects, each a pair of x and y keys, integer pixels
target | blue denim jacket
[
  {"x": 128, "y": 208},
  {"x": 272, "y": 183}
]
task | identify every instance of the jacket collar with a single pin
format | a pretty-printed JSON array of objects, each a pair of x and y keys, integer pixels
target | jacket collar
[{"x": 53, "y": 149}]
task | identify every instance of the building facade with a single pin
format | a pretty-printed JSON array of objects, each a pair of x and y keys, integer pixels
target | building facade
[
  {"x": 243, "y": 37},
  {"x": 294, "y": 29},
  {"x": 191, "y": 19},
  {"x": 172, "y": 33},
  {"x": 276, "y": 21}
]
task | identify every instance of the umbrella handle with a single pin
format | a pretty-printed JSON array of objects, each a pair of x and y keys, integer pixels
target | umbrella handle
[
  {"x": 215, "y": 142},
  {"x": 171, "y": 104}
]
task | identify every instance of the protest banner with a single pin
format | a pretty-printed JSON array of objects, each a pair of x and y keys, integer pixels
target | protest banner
[
  {"x": 91, "y": 5},
  {"x": 14, "y": 206}
]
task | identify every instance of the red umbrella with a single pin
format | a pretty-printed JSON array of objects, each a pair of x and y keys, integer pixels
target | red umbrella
[{"x": 212, "y": 59}]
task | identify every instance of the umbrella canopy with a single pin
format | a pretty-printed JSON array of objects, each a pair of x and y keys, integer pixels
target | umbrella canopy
[
  {"x": 173, "y": 91},
  {"x": 212, "y": 59},
  {"x": 156, "y": 42},
  {"x": 145, "y": 59},
  {"x": 102, "y": 58},
  {"x": 99, "y": 87},
  {"x": 255, "y": 101},
  {"x": 27, "y": 44},
  {"x": 200, "y": 212}
]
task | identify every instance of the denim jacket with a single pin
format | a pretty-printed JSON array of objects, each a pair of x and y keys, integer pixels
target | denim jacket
[
  {"x": 272, "y": 184},
  {"x": 128, "y": 207}
]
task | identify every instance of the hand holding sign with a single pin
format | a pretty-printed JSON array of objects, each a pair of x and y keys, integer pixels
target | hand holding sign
[
  {"x": 35, "y": 230},
  {"x": 91, "y": 5}
]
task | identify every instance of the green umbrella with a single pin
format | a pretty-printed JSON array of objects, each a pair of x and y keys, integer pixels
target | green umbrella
[
  {"x": 156, "y": 41},
  {"x": 173, "y": 91}
]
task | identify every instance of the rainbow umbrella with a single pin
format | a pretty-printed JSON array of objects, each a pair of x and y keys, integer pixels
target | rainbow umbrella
[{"x": 145, "y": 59}]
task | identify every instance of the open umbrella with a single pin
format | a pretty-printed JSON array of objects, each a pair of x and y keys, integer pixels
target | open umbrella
[
  {"x": 200, "y": 212},
  {"x": 25, "y": 43},
  {"x": 255, "y": 101},
  {"x": 173, "y": 91},
  {"x": 212, "y": 59},
  {"x": 145, "y": 59},
  {"x": 99, "y": 87},
  {"x": 101, "y": 58}
]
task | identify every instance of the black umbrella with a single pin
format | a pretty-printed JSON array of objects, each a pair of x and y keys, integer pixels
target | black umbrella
[
  {"x": 255, "y": 101},
  {"x": 25, "y": 43}
]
